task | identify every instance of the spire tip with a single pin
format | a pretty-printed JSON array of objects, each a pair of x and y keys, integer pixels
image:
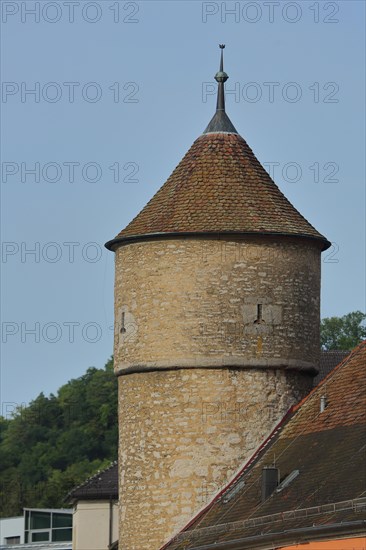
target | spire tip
[
  {"x": 220, "y": 122},
  {"x": 221, "y": 76}
]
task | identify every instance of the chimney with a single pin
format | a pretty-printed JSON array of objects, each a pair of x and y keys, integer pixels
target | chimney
[{"x": 270, "y": 477}]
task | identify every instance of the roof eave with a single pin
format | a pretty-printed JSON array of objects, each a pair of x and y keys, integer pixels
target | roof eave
[
  {"x": 128, "y": 239},
  {"x": 93, "y": 496},
  {"x": 291, "y": 537}
]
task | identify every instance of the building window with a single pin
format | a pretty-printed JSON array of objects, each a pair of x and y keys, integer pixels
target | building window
[
  {"x": 61, "y": 535},
  {"x": 61, "y": 520},
  {"x": 40, "y": 520},
  {"x": 40, "y": 536},
  {"x": 42, "y": 526}
]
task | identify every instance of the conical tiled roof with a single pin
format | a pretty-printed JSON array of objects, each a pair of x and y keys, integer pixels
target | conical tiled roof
[{"x": 218, "y": 187}]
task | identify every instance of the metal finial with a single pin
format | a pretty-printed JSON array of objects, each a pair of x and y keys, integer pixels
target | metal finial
[
  {"x": 222, "y": 46},
  {"x": 220, "y": 122},
  {"x": 221, "y": 77}
]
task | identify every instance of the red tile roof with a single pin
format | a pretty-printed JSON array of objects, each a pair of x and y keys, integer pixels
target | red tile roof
[
  {"x": 220, "y": 187},
  {"x": 327, "y": 448}
]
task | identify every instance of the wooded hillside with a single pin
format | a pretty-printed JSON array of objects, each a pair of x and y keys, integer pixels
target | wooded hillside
[{"x": 56, "y": 442}]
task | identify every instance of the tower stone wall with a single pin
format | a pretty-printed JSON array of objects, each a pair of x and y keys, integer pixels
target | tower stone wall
[
  {"x": 184, "y": 434},
  {"x": 195, "y": 303},
  {"x": 217, "y": 291},
  {"x": 214, "y": 340}
]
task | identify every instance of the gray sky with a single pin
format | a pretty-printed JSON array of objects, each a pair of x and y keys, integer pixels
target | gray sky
[{"x": 121, "y": 91}]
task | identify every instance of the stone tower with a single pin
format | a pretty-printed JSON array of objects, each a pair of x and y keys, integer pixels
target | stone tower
[{"x": 217, "y": 289}]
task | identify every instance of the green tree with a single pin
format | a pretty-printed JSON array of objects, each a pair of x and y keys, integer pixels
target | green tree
[
  {"x": 57, "y": 442},
  {"x": 342, "y": 333}
]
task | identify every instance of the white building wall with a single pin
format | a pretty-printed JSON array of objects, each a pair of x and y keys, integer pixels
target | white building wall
[{"x": 12, "y": 527}]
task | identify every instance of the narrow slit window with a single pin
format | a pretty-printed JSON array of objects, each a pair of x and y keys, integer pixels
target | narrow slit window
[
  {"x": 123, "y": 328},
  {"x": 259, "y": 319}
]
